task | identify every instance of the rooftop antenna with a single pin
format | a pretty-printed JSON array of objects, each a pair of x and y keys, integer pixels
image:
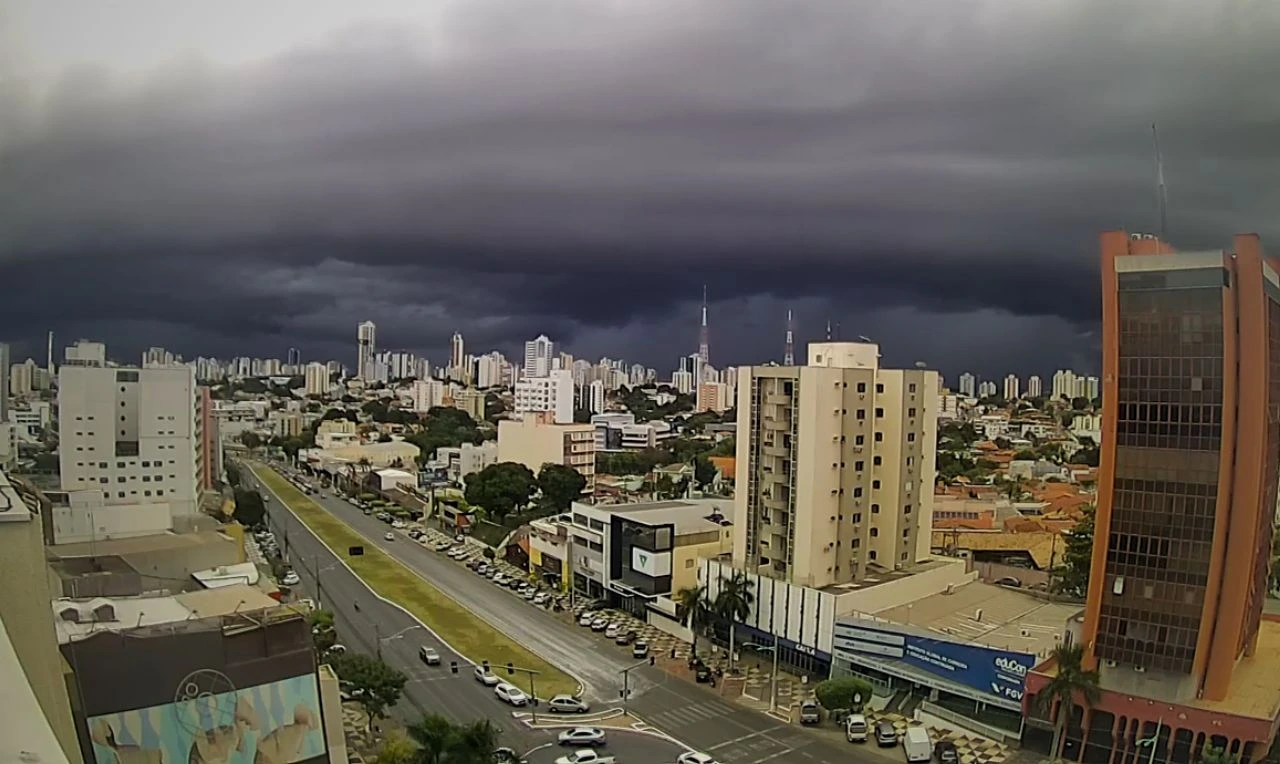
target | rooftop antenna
[
  {"x": 789, "y": 356},
  {"x": 828, "y": 330},
  {"x": 49, "y": 355},
  {"x": 704, "y": 344},
  {"x": 1162, "y": 196}
]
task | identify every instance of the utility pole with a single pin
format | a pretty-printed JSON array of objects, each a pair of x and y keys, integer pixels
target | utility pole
[
  {"x": 533, "y": 692},
  {"x": 626, "y": 682},
  {"x": 315, "y": 573}
]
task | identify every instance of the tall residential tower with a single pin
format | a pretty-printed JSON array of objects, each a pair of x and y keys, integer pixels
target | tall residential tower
[{"x": 366, "y": 336}]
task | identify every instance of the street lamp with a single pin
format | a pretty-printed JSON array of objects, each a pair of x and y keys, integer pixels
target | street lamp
[
  {"x": 1152, "y": 741},
  {"x": 316, "y": 570},
  {"x": 378, "y": 640},
  {"x": 773, "y": 676},
  {"x": 626, "y": 682}
]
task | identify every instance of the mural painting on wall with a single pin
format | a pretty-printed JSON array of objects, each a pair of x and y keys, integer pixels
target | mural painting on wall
[{"x": 210, "y": 721}]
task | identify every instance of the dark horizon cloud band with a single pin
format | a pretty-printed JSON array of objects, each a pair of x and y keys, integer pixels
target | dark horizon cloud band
[{"x": 933, "y": 176}]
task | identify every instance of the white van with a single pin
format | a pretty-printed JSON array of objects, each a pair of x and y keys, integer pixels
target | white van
[
  {"x": 916, "y": 744},
  {"x": 855, "y": 728}
]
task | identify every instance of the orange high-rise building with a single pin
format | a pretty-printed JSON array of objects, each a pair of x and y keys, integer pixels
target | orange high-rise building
[{"x": 1186, "y": 502}]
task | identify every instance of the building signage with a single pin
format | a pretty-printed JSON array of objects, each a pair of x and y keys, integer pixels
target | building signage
[
  {"x": 652, "y": 564},
  {"x": 997, "y": 672}
]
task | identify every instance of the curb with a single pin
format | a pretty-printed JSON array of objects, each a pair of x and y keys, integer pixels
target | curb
[
  {"x": 562, "y": 721},
  {"x": 396, "y": 605}
]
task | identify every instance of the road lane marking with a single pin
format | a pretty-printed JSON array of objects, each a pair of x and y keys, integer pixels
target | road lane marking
[
  {"x": 772, "y": 756},
  {"x": 727, "y": 743}
]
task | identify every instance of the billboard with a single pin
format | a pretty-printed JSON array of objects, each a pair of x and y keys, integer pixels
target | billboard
[
  {"x": 651, "y": 564},
  {"x": 997, "y": 672},
  {"x": 209, "y": 721}
]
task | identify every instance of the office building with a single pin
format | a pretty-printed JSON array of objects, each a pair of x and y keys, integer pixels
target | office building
[
  {"x": 367, "y": 350},
  {"x": 535, "y": 440},
  {"x": 316, "y": 378},
  {"x": 132, "y": 435},
  {"x": 968, "y": 385},
  {"x": 1186, "y": 501},
  {"x": 1011, "y": 387},
  {"x": 835, "y": 466},
  {"x": 551, "y": 393},
  {"x": 538, "y": 355}
]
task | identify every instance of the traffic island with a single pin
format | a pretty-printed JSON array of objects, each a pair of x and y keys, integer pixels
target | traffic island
[{"x": 454, "y": 624}]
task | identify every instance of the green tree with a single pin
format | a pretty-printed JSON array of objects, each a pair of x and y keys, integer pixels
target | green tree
[
  {"x": 250, "y": 440},
  {"x": 704, "y": 472},
  {"x": 376, "y": 685},
  {"x": 1212, "y": 754},
  {"x": 733, "y": 603},
  {"x": 323, "y": 634},
  {"x": 501, "y": 489},
  {"x": 441, "y": 741},
  {"x": 445, "y": 426},
  {"x": 233, "y": 474},
  {"x": 843, "y": 693},
  {"x": 396, "y": 749},
  {"x": 724, "y": 447},
  {"x": 693, "y": 608},
  {"x": 581, "y": 415},
  {"x": 249, "y": 510},
  {"x": 1070, "y": 684},
  {"x": 1077, "y": 558},
  {"x": 560, "y": 485}
]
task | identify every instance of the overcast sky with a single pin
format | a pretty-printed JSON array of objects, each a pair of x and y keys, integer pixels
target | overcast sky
[{"x": 241, "y": 177}]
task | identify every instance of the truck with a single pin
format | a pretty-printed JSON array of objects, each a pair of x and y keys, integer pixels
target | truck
[
  {"x": 917, "y": 746},
  {"x": 586, "y": 756}
]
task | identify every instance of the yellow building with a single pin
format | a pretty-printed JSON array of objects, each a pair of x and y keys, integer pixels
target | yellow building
[{"x": 534, "y": 441}]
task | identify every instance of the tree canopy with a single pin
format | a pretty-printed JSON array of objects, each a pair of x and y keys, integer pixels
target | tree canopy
[
  {"x": 560, "y": 485},
  {"x": 1077, "y": 558},
  {"x": 442, "y": 741},
  {"x": 250, "y": 439},
  {"x": 840, "y": 693},
  {"x": 501, "y": 489},
  {"x": 445, "y": 426},
  {"x": 376, "y": 685},
  {"x": 249, "y": 510}
]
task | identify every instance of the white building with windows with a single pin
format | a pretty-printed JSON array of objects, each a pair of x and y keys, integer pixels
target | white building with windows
[
  {"x": 538, "y": 355},
  {"x": 132, "y": 435},
  {"x": 551, "y": 393},
  {"x": 1012, "y": 387},
  {"x": 316, "y": 378}
]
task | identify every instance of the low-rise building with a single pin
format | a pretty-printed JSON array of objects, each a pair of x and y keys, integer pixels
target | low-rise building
[
  {"x": 389, "y": 479},
  {"x": 535, "y": 440},
  {"x": 467, "y": 459}
]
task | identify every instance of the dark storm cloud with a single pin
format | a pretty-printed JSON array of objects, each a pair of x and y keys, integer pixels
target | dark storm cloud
[{"x": 581, "y": 170}]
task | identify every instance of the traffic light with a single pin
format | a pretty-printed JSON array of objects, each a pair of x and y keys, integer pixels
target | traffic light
[
  {"x": 485, "y": 666},
  {"x": 511, "y": 668},
  {"x": 453, "y": 667}
]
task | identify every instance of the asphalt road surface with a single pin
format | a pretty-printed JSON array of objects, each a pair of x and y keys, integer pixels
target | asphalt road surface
[
  {"x": 692, "y": 715},
  {"x": 626, "y": 747}
]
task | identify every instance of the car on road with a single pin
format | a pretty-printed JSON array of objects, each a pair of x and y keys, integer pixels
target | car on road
[
  {"x": 886, "y": 735},
  {"x": 429, "y": 656},
  {"x": 290, "y": 579},
  {"x": 567, "y": 704},
  {"x": 510, "y": 694},
  {"x": 389, "y": 536},
  {"x": 506, "y": 755},
  {"x": 810, "y": 713},
  {"x": 640, "y": 649},
  {"x": 695, "y": 757},
  {"x": 585, "y": 756},
  {"x": 590, "y": 736},
  {"x": 485, "y": 677},
  {"x": 855, "y": 728}
]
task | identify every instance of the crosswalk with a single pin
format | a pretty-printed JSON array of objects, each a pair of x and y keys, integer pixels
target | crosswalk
[{"x": 684, "y": 716}]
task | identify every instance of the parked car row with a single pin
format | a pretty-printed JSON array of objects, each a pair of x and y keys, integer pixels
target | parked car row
[{"x": 606, "y": 623}]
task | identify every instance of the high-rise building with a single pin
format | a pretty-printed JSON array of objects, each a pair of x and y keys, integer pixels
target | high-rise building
[
  {"x": 593, "y": 396},
  {"x": 835, "y": 466},
  {"x": 538, "y": 353},
  {"x": 294, "y": 358},
  {"x": 316, "y": 378},
  {"x": 4, "y": 382},
  {"x": 1064, "y": 384},
  {"x": 704, "y": 340},
  {"x": 457, "y": 351},
  {"x": 133, "y": 435},
  {"x": 552, "y": 393},
  {"x": 1035, "y": 388},
  {"x": 712, "y": 396},
  {"x": 427, "y": 394},
  {"x": 1011, "y": 385},
  {"x": 1186, "y": 501},
  {"x": 986, "y": 389},
  {"x": 366, "y": 337},
  {"x": 968, "y": 385}
]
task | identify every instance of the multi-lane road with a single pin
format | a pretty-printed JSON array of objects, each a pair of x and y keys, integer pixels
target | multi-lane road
[{"x": 696, "y": 717}]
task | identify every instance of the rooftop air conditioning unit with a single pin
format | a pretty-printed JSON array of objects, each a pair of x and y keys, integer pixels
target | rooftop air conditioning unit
[
  {"x": 1140, "y": 669},
  {"x": 1109, "y": 663}
]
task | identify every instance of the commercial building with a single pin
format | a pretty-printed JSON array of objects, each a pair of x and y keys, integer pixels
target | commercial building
[
  {"x": 534, "y": 441},
  {"x": 366, "y": 350},
  {"x": 467, "y": 459},
  {"x": 835, "y": 467},
  {"x": 196, "y": 676},
  {"x": 538, "y": 355},
  {"x": 619, "y": 431},
  {"x": 37, "y": 720},
  {"x": 131, "y": 435},
  {"x": 551, "y": 393},
  {"x": 1186, "y": 500}
]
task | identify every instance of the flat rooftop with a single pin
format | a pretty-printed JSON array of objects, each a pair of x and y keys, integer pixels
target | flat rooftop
[
  {"x": 140, "y": 612},
  {"x": 877, "y": 576},
  {"x": 1009, "y": 619},
  {"x": 686, "y": 516},
  {"x": 154, "y": 542},
  {"x": 1254, "y": 689}
]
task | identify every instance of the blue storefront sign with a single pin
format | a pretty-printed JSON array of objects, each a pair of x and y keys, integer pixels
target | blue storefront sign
[{"x": 1001, "y": 673}]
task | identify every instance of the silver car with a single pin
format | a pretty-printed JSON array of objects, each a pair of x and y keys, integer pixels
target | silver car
[
  {"x": 567, "y": 704},
  {"x": 582, "y": 736}
]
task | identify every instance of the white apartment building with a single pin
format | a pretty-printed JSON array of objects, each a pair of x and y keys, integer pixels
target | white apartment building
[
  {"x": 366, "y": 352},
  {"x": 987, "y": 389},
  {"x": 538, "y": 355},
  {"x": 467, "y": 459},
  {"x": 1035, "y": 388},
  {"x": 427, "y": 394},
  {"x": 682, "y": 381},
  {"x": 835, "y": 466},
  {"x": 1011, "y": 387},
  {"x": 551, "y": 393},
  {"x": 593, "y": 396},
  {"x": 131, "y": 434},
  {"x": 968, "y": 385},
  {"x": 490, "y": 370},
  {"x": 316, "y": 378},
  {"x": 534, "y": 441},
  {"x": 4, "y": 382}
]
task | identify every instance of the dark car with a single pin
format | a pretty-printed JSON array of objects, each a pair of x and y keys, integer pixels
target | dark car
[
  {"x": 886, "y": 735},
  {"x": 702, "y": 674},
  {"x": 945, "y": 752}
]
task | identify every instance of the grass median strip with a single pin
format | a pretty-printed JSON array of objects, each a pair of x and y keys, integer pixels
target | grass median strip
[{"x": 466, "y": 632}]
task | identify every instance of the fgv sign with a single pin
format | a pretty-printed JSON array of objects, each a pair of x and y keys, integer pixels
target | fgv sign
[{"x": 998, "y": 672}]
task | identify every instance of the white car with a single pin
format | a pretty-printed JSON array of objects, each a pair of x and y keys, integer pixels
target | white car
[
  {"x": 290, "y": 579},
  {"x": 485, "y": 677},
  {"x": 529, "y": 594},
  {"x": 429, "y": 656},
  {"x": 585, "y": 756},
  {"x": 612, "y": 630},
  {"x": 540, "y": 598},
  {"x": 600, "y": 624},
  {"x": 389, "y": 536},
  {"x": 587, "y": 618},
  {"x": 510, "y": 694},
  {"x": 695, "y": 757},
  {"x": 582, "y": 736},
  {"x": 567, "y": 704}
]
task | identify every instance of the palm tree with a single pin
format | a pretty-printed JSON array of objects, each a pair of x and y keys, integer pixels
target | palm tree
[
  {"x": 733, "y": 603},
  {"x": 443, "y": 742},
  {"x": 691, "y": 606},
  {"x": 1069, "y": 683}
]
